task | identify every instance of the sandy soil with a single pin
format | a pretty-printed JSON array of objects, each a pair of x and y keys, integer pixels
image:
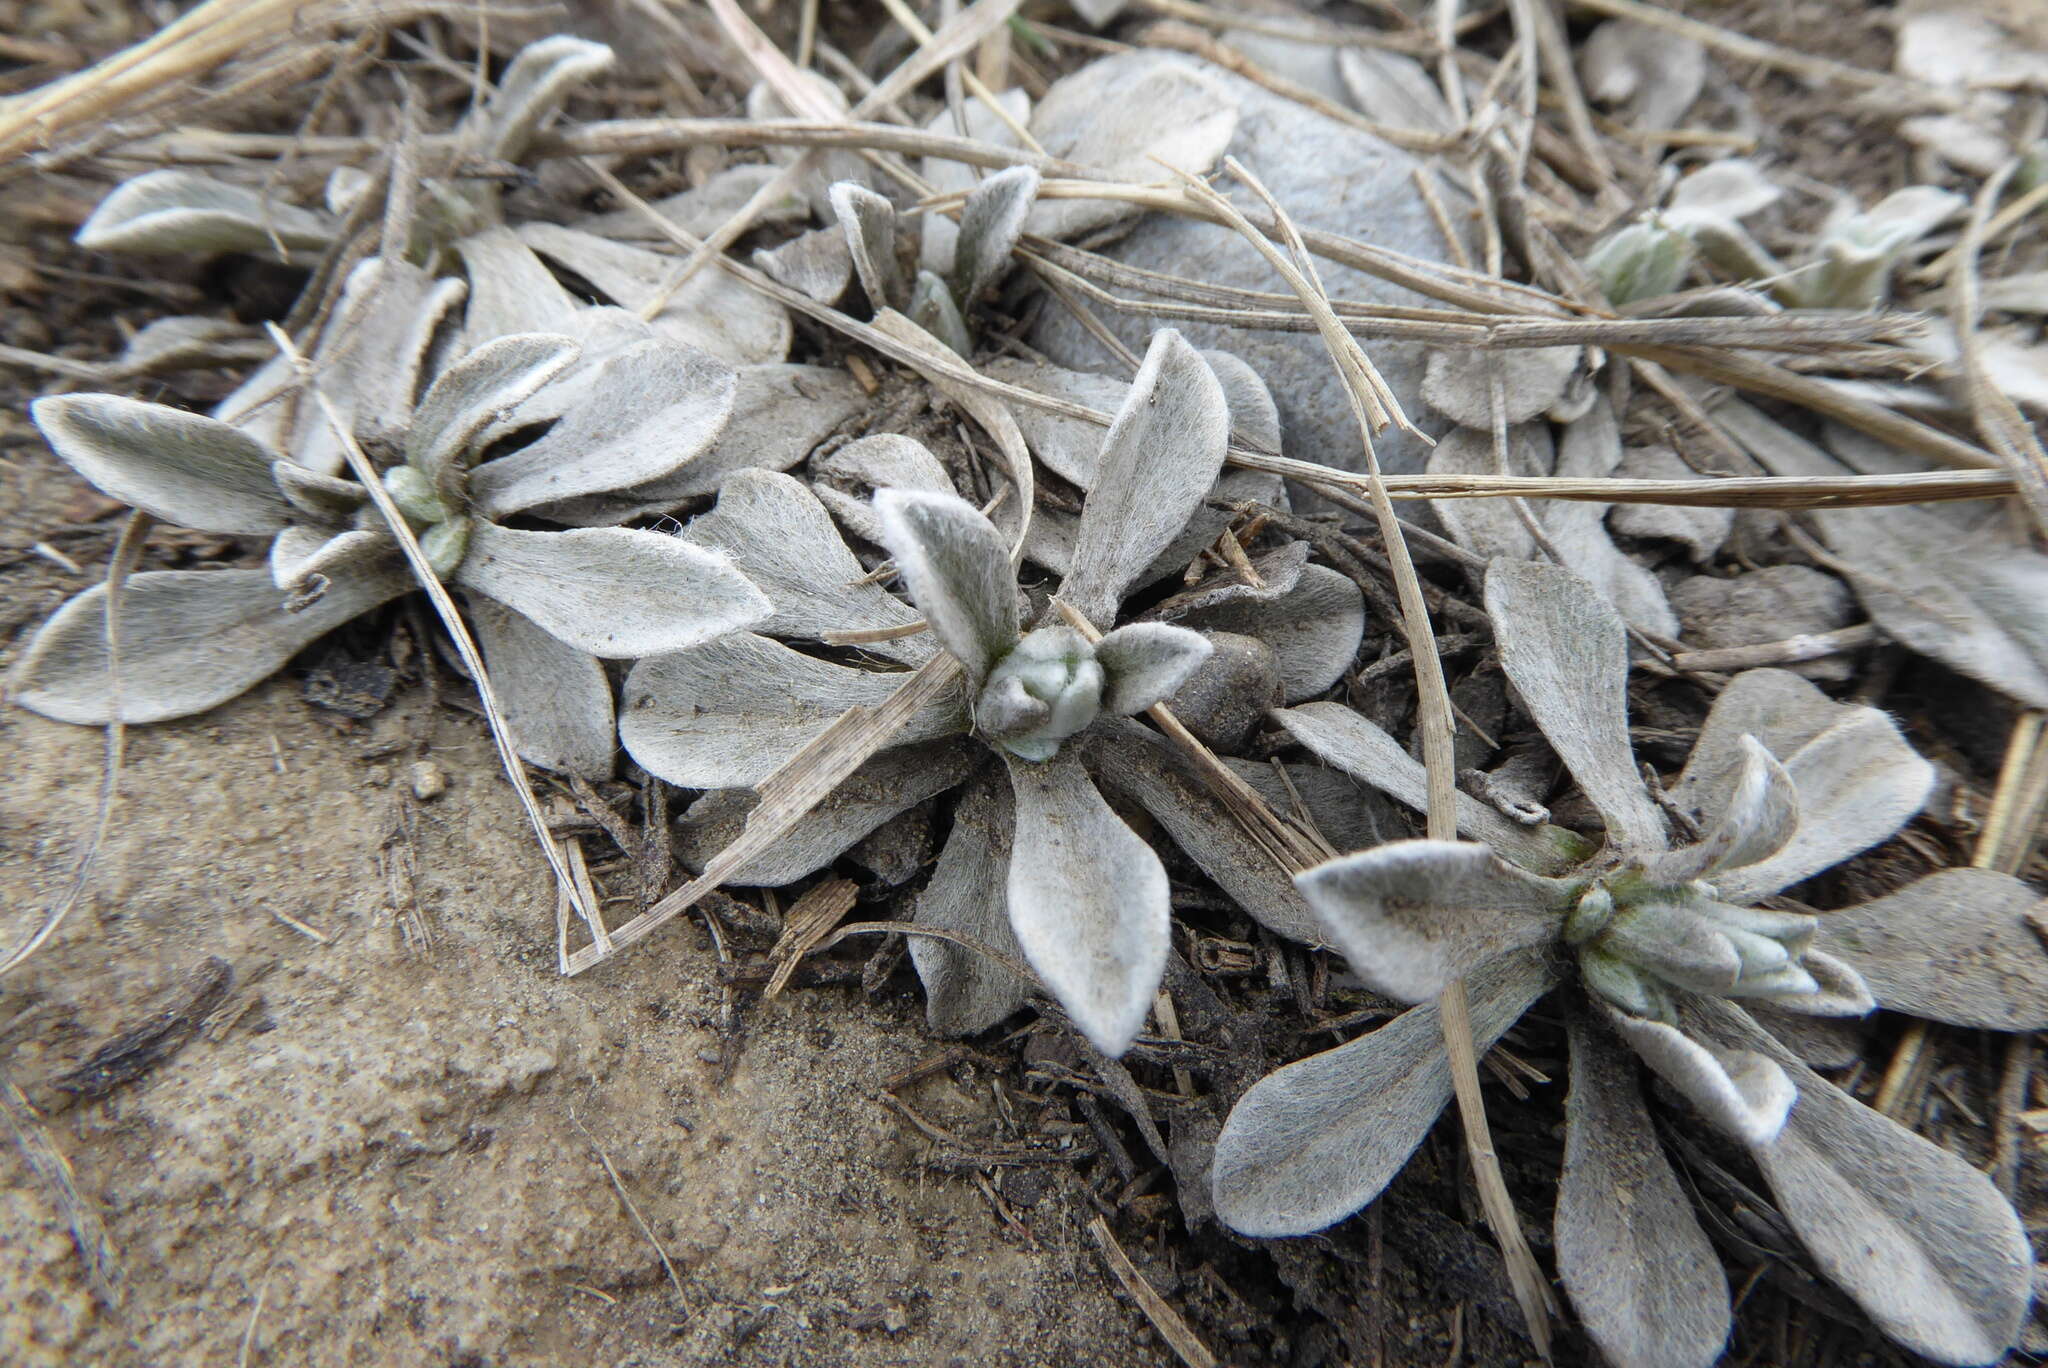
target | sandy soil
[{"x": 384, "y": 1149}]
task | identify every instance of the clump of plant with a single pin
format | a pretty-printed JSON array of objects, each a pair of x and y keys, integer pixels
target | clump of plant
[
  {"x": 1072, "y": 889},
  {"x": 991, "y": 220},
  {"x": 463, "y": 461},
  {"x": 1656, "y": 945},
  {"x": 1848, "y": 265}
]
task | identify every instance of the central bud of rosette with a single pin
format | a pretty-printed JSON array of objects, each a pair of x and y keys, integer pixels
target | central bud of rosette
[
  {"x": 1637, "y": 939},
  {"x": 1048, "y": 687},
  {"x": 443, "y": 533}
]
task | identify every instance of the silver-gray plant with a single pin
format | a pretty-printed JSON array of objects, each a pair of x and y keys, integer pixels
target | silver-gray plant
[
  {"x": 1660, "y": 943},
  {"x": 546, "y": 604}
]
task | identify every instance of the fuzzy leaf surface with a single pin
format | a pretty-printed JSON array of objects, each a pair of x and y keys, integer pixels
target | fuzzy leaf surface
[
  {"x": 1088, "y": 901},
  {"x": 957, "y": 568},
  {"x": 186, "y": 469},
  {"x": 615, "y": 592}
]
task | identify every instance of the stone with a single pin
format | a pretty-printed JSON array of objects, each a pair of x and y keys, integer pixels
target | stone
[{"x": 1327, "y": 176}]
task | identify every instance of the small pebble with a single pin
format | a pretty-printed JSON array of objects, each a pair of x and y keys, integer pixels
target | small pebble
[{"x": 428, "y": 781}]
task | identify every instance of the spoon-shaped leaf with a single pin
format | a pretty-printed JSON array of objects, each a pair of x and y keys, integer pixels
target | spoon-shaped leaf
[
  {"x": 869, "y": 222},
  {"x": 957, "y": 568},
  {"x": 885, "y": 786},
  {"x": 1145, "y": 662},
  {"x": 556, "y": 699},
  {"x": 1313, "y": 1142},
  {"x": 1759, "y": 819},
  {"x": 612, "y": 591},
  {"x": 990, "y": 220},
  {"x": 730, "y": 712},
  {"x": 181, "y": 211},
  {"x": 1412, "y": 917},
  {"x": 1314, "y": 627},
  {"x": 1565, "y": 651},
  {"x": 1955, "y": 946},
  {"x": 475, "y": 392},
  {"x": 1088, "y": 901},
  {"x": 652, "y": 409},
  {"x": 1914, "y": 1233},
  {"x": 1742, "y": 1093},
  {"x": 782, "y": 539},
  {"x": 1642, "y": 1275},
  {"x": 184, "y": 468},
  {"x": 1344, "y": 738},
  {"x": 190, "y": 640},
  {"x": 966, "y": 992},
  {"x": 1158, "y": 460},
  {"x": 532, "y": 88}
]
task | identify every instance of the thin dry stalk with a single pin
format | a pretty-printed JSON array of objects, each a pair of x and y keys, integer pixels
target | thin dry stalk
[
  {"x": 675, "y": 1279},
  {"x": 2004, "y": 428},
  {"x": 1179, "y": 1336},
  {"x": 810, "y": 919},
  {"x": 88, "y": 1232},
  {"x": 1434, "y": 710},
  {"x": 127, "y": 555},
  {"x": 458, "y": 632},
  {"x": 804, "y": 780}
]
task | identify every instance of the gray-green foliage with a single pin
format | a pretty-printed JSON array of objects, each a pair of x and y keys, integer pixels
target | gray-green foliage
[
  {"x": 556, "y": 599},
  {"x": 1665, "y": 938}
]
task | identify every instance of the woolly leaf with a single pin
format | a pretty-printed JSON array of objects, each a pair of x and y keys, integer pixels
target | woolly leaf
[
  {"x": 532, "y": 88},
  {"x": 1642, "y": 1275},
  {"x": 475, "y": 392},
  {"x": 1742, "y": 1093},
  {"x": 1412, "y": 917},
  {"x": 780, "y": 537},
  {"x": 1362, "y": 750},
  {"x": 933, "y": 308},
  {"x": 1146, "y": 662},
  {"x": 868, "y": 221},
  {"x": 1759, "y": 819},
  {"x": 1158, "y": 460},
  {"x": 1314, "y": 627},
  {"x": 1914, "y": 1233},
  {"x": 652, "y": 409},
  {"x": 727, "y": 714},
  {"x": 990, "y": 221},
  {"x": 1956, "y": 946},
  {"x": 190, "y": 640},
  {"x": 178, "y": 211},
  {"x": 181, "y": 467},
  {"x": 1088, "y": 901},
  {"x": 612, "y": 591},
  {"x": 556, "y": 699},
  {"x": 1313, "y": 1142},
  {"x": 966, "y": 992},
  {"x": 1565, "y": 651},
  {"x": 1458, "y": 382},
  {"x": 848, "y": 477},
  {"x": 957, "y": 569}
]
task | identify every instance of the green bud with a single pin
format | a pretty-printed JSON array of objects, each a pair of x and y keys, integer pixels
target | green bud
[
  {"x": 445, "y": 544},
  {"x": 416, "y": 496}
]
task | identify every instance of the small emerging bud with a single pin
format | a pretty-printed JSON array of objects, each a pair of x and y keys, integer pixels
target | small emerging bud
[
  {"x": 1047, "y": 688},
  {"x": 416, "y": 497}
]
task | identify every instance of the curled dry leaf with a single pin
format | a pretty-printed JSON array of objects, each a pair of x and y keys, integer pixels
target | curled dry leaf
[{"x": 531, "y": 89}]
